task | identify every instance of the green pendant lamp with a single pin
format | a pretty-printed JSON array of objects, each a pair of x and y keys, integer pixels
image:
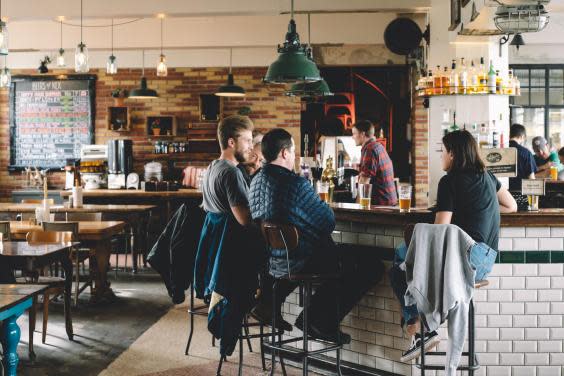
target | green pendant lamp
[
  {"x": 310, "y": 89},
  {"x": 230, "y": 89},
  {"x": 143, "y": 92},
  {"x": 293, "y": 64}
]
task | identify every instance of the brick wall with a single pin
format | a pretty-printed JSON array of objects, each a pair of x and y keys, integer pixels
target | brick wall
[{"x": 179, "y": 96}]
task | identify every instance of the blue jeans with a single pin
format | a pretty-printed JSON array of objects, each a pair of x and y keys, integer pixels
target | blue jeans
[{"x": 480, "y": 256}]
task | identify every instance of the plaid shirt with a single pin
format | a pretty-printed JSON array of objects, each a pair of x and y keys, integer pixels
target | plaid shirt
[{"x": 376, "y": 163}]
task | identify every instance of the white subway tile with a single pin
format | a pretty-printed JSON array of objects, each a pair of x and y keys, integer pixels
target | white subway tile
[
  {"x": 343, "y": 226},
  {"x": 384, "y": 241},
  {"x": 375, "y": 350},
  {"x": 525, "y": 346},
  {"x": 487, "y": 334},
  {"x": 557, "y": 359},
  {"x": 500, "y": 346},
  {"x": 480, "y": 295},
  {"x": 538, "y": 282},
  {"x": 537, "y": 333},
  {"x": 336, "y": 235},
  {"x": 539, "y": 359},
  {"x": 349, "y": 237},
  {"x": 487, "y": 359},
  {"x": 496, "y": 370},
  {"x": 358, "y": 227},
  {"x": 500, "y": 296},
  {"x": 550, "y": 244},
  {"x": 537, "y": 308},
  {"x": 481, "y": 321},
  {"x": 553, "y": 295},
  {"x": 479, "y": 346},
  {"x": 512, "y": 308},
  {"x": 512, "y": 232},
  {"x": 500, "y": 321},
  {"x": 349, "y": 356},
  {"x": 524, "y": 371},
  {"x": 505, "y": 244},
  {"x": 550, "y": 270},
  {"x": 525, "y": 321},
  {"x": 557, "y": 333},
  {"x": 385, "y": 365},
  {"x": 512, "y": 334},
  {"x": 395, "y": 231},
  {"x": 511, "y": 359},
  {"x": 550, "y": 346},
  {"x": 525, "y": 269},
  {"x": 494, "y": 283},
  {"x": 549, "y": 371},
  {"x": 557, "y": 232},
  {"x": 500, "y": 270},
  {"x": 537, "y": 232},
  {"x": 367, "y": 361},
  {"x": 366, "y": 239},
  {"x": 557, "y": 308},
  {"x": 402, "y": 369},
  {"x": 376, "y": 229},
  {"x": 557, "y": 282},
  {"x": 524, "y": 295},
  {"x": 525, "y": 244},
  {"x": 512, "y": 283}
]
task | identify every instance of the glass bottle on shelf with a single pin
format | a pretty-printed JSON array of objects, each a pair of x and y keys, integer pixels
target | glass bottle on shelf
[
  {"x": 483, "y": 78},
  {"x": 454, "y": 126},
  {"x": 475, "y": 132},
  {"x": 463, "y": 78},
  {"x": 445, "y": 81},
  {"x": 422, "y": 82},
  {"x": 510, "y": 85},
  {"x": 454, "y": 79},
  {"x": 491, "y": 79},
  {"x": 474, "y": 80},
  {"x": 484, "y": 137},
  {"x": 429, "y": 86},
  {"x": 498, "y": 83},
  {"x": 437, "y": 81},
  {"x": 517, "y": 85}
]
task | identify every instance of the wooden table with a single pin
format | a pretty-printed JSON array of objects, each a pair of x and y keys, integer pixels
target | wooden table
[
  {"x": 96, "y": 235},
  {"x": 10, "y": 310},
  {"x": 136, "y": 216}
]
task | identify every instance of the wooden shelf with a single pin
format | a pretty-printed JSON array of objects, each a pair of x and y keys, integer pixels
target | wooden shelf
[
  {"x": 178, "y": 157},
  {"x": 117, "y": 114}
]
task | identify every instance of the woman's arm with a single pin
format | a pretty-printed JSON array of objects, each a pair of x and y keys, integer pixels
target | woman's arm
[
  {"x": 507, "y": 203},
  {"x": 443, "y": 217}
]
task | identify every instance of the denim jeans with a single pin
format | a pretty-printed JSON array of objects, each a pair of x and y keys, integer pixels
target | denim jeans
[{"x": 480, "y": 256}]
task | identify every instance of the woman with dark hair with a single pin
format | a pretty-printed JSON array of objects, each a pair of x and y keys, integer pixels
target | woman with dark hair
[{"x": 470, "y": 197}]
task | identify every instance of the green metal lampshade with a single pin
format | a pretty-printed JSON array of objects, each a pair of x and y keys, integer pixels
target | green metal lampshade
[
  {"x": 310, "y": 89},
  {"x": 230, "y": 89},
  {"x": 143, "y": 92},
  {"x": 293, "y": 64}
]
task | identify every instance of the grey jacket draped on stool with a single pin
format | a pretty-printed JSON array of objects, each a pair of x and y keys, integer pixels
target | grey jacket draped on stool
[{"x": 440, "y": 281}]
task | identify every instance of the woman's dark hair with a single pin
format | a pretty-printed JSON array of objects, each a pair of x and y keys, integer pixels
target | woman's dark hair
[
  {"x": 273, "y": 142},
  {"x": 561, "y": 151},
  {"x": 464, "y": 151}
]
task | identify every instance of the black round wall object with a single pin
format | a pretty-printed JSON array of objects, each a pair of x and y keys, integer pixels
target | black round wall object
[{"x": 402, "y": 36}]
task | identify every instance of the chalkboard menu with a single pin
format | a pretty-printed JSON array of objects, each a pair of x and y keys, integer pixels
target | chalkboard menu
[{"x": 51, "y": 117}]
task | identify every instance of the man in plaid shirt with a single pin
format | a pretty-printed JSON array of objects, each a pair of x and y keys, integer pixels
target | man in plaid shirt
[{"x": 375, "y": 165}]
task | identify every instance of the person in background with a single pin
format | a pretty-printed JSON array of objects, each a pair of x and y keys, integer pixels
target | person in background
[
  {"x": 250, "y": 167},
  {"x": 544, "y": 157},
  {"x": 470, "y": 197},
  {"x": 278, "y": 194},
  {"x": 561, "y": 158},
  {"x": 526, "y": 165},
  {"x": 375, "y": 165}
]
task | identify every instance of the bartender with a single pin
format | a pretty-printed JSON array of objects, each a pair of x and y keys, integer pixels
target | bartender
[{"x": 375, "y": 165}]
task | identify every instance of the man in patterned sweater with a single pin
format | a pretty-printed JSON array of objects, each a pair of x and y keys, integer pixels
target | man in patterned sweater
[{"x": 278, "y": 194}]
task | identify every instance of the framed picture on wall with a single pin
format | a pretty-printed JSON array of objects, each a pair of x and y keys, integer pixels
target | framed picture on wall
[
  {"x": 454, "y": 14},
  {"x": 161, "y": 125}
]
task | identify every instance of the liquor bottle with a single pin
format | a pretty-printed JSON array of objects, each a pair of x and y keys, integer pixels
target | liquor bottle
[
  {"x": 430, "y": 83},
  {"x": 422, "y": 83},
  {"x": 484, "y": 139},
  {"x": 491, "y": 79},
  {"x": 454, "y": 127},
  {"x": 483, "y": 78},
  {"x": 517, "y": 85},
  {"x": 437, "y": 82},
  {"x": 454, "y": 79},
  {"x": 498, "y": 83},
  {"x": 474, "y": 80},
  {"x": 445, "y": 79},
  {"x": 463, "y": 78},
  {"x": 475, "y": 132},
  {"x": 510, "y": 85}
]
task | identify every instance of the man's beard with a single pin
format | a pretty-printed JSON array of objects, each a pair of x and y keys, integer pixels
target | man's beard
[{"x": 240, "y": 156}]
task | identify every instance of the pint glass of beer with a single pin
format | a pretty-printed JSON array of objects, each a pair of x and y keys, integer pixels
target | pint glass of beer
[
  {"x": 404, "y": 198},
  {"x": 553, "y": 173},
  {"x": 323, "y": 190},
  {"x": 365, "y": 194}
]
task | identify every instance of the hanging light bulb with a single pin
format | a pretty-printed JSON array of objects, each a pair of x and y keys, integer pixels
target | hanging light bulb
[
  {"x": 162, "y": 70},
  {"x": 3, "y": 35},
  {"x": 5, "y": 75},
  {"x": 81, "y": 53},
  {"x": 61, "y": 55},
  {"x": 111, "y": 66}
]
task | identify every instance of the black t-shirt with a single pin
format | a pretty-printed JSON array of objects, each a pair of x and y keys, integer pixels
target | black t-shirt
[
  {"x": 472, "y": 199},
  {"x": 525, "y": 166}
]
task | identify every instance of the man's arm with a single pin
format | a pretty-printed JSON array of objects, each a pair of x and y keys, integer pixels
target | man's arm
[
  {"x": 242, "y": 214},
  {"x": 443, "y": 218}
]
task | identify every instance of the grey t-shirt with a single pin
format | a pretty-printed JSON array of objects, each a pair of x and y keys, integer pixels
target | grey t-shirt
[{"x": 224, "y": 186}]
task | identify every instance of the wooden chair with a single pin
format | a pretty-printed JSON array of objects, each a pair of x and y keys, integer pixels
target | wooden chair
[
  {"x": 80, "y": 217},
  {"x": 56, "y": 285}
]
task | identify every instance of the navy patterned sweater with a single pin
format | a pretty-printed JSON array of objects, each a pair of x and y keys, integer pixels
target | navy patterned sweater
[{"x": 278, "y": 194}]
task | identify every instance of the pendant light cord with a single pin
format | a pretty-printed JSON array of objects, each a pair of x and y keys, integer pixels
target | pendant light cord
[
  {"x": 112, "y": 37},
  {"x": 161, "y": 35},
  {"x": 80, "y": 21},
  {"x": 292, "y": 10},
  {"x": 61, "y": 34},
  {"x": 143, "y": 63},
  {"x": 230, "y": 59}
]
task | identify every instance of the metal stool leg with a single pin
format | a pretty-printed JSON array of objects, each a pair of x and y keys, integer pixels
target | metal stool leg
[
  {"x": 471, "y": 332},
  {"x": 246, "y": 329},
  {"x": 338, "y": 309},
  {"x": 307, "y": 293},
  {"x": 422, "y": 356},
  {"x": 221, "y": 359},
  {"x": 273, "y": 330},
  {"x": 191, "y": 314},
  {"x": 261, "y": 338},
  {"x": 282, "y": 365},
  {"x": 241, "y": 354}
]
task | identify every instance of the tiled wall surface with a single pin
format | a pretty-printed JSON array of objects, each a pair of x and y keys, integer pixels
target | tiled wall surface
[{"x": 519, "y": 316}]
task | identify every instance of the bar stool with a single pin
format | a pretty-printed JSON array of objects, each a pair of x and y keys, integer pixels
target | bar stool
[
  {"x": 285, "y": 236},
  {"x": 473, "y": 364}
]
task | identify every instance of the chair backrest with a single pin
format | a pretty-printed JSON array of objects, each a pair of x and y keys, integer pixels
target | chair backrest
[
  {"x": 5, "y": 230},
  {"x": 280, "y": 235},
  {"x": 77, "y": 217},
  {"x": 71, "y": 227},
  {"x": 49, "y": 237},
  {"x": 50, "y": 201}
]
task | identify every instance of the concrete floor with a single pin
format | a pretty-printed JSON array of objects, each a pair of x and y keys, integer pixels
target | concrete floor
[{"x": 102, "y": 332}]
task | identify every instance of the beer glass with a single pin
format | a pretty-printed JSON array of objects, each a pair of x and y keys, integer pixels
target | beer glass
[
  {"x": 553, "y": 172},
  {"x": 323, "y": 190},
  {"x": 533, "y": 202},
  {"x": 365, "y": 194},
  {"x": 404, "y": 198}
]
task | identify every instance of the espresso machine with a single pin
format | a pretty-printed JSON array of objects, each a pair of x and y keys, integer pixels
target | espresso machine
[{"x": 120, "y": 162}]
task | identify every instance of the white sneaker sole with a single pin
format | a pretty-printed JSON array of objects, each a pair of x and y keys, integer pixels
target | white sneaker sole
[{"x": 428, "y": 347}]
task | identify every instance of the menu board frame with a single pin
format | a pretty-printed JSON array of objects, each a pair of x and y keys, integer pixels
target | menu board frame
[{"x": 91, "y": 80}]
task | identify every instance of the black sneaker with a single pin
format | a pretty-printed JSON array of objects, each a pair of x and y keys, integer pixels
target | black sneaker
[
  {"x": 316, "y": 333},
  {"x": 263, "y": 314},
  {"x": 431, "y": 341}
]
